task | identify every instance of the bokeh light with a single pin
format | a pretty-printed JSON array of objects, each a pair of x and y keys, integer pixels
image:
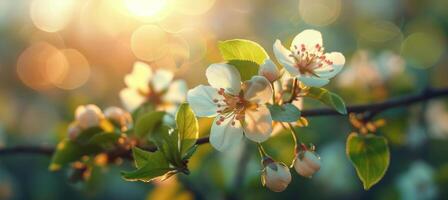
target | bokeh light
[
  {"x": 51, "y": 15},
  {"x": 149, "y": 42},
  {"x": 145, "y": 8},
  {"x": 423, "y": 50},
  {"x": 319, "y": 12},
  {"x": 193, "y": 7},
  {"x": 70, "y": 69}
]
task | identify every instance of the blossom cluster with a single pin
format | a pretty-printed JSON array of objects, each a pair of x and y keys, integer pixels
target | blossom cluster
[{"x": 241, "y": 108}]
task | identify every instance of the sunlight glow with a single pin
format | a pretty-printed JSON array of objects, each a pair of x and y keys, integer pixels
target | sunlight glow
[{"x": 145, "y": 8}]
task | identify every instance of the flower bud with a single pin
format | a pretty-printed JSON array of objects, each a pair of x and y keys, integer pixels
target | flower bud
[
  {"x": 118, "y": 116},
  {"x": 269, "y": 70},
  {"x": 73, "y": 131},
  {"x": 275, "y": 176},
  {"x": 88, "y": 116},
  {"x": 307, "y": 163}
]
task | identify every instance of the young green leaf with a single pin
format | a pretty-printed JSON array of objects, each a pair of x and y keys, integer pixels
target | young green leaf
[
  {"x": 246, "y": 68},
  {"x": 284, "y": 113},
  {"x": 68, "y": 151},
  {"x": 188, "y": 128},
  {"x": 87, "y": 134},
  {"x": 150, "y": 166},
  {"x": 147, "y": 123},
  {"x": 166, "y": 140},
  {"x": 329, "y": 98},
  {"x": 190, "y": 152},
  {"x": 370, "y": 156},
  {"x": 240, "y": 49},
  {"x": 105, "y": 140}
]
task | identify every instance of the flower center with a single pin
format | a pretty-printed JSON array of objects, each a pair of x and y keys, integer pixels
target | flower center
[
  {"x": 231, "y": 106},
  {"x": 308, "y": 60}
]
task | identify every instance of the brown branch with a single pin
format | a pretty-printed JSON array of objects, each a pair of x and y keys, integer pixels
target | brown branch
[{"x": 373, "y": 108}]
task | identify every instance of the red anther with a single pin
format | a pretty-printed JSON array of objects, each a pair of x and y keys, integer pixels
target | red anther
[
  {"x": 322, "y": 57},
  {"x": 218, "y": 123},
  {"x": 233, "y": 123},
  {"x": 215, "y": 100}
]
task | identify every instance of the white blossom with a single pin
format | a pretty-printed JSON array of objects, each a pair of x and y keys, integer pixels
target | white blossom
[
  {"x": 307, "y": 61},
  {"x": 144, "y": 85},
  {"x": 118, "y": 116},
  {"x": 238, "y": 107},
  {"x": 269, "y": 70}
]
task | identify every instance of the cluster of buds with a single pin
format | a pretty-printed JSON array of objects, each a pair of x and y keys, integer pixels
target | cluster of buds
[
  {"x": 91, "y": 116},
  {"x": 275, "y": 175},
  {"x": 365, "y": 126},
  {"x": 307, "y": 162}
]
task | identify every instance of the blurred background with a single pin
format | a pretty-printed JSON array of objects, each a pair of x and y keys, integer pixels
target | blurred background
[{"x": 57, "y": 54}]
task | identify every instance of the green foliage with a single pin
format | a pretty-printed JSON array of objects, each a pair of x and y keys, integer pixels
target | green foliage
[
  {"x": 147, "y": 123},
  {"x": 68, "y": 151},
  {"x": 245, "y": 55},
  {"x": 370, "y": 157},
  {"x": 240, "y": 49},
  {"x": 150, "y": 165},
  {"x": 175, "y": 147},
  {"x": 104, "y": 140},
  {"x": 284, "y": 113},
  {"x": 329, "y": 98},
  {"x": 188, "y": 128},
  {"x": 246, "y": 68}
]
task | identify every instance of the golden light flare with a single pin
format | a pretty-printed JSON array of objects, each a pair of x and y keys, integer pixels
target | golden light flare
[
  {"x": 193, "y": 7},
  {"x": 146, "y": 8},
  {"x": 319, "y": 12},
  {"x": 52, "y": 15},
  {"x": 149, "y": 43}
]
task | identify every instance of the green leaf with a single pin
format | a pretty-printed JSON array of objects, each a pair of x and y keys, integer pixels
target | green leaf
[
  {"x": 285, "y": 113},
  {"x": 246, "y": 68},
  {"x": 240, "y": 49},
  {"x": 87, "y": 134},
  {"x": 370, "y": 156},
  {"x": 329, "y": 98},
  {"x": 188, "y": 128},
  {"x": 68, "y": 151},
  {"x": 105, "y": 140},
  {"x": 147, "y": 123},
  {"x": 166, "y": 140},
  {"x": 190, "y": 152},
  {"x": 151, "y": 165}
]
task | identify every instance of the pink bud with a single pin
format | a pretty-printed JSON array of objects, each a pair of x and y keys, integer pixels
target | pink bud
[
  {"x": 88, "y": 116},
  {"x": 73, "y": 131},
  {"x": 269, "y": 71},
  {"x": 307, "y": 163},
  {"x": 276, "y": 176}
]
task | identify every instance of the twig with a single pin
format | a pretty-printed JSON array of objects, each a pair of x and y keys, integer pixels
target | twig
[{"x": 373, "y": 108}]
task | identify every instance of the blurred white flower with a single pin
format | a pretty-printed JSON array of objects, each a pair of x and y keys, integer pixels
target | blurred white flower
[
  {"x": 119, "y": 116},
  {"x": 307, "y": 163},
  {"x": 269, "y": 70},
  {"x": 366, "y": 71},
  {"x": 418, "y": 182},
  {"x": 275, "y": 176},
  {"x": 437, "y": 119},
  {"x": 158, "y": 88},
  {"x": 238, "y": 107},
  {"x": 307, "y": 61},
  {"x": 88, "y": 116}
]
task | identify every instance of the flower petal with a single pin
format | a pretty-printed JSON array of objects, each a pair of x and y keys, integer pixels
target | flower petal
[
  {"x": 225, "y": 135},
  {"x": 309, "y": 38},
  {"x": 313, "y": 81},
  {"x": 139, "y": 78},
  {"x": 162, "y": 79},
  {"x": 283, "y": 57},
  {"x": 257, "y": 90},
  {"x": 338, "y": 62},
  {"x": 131, "y": 99},
  {"x": 201, "y": 99},
  {"x": 225, "y": 76},
  {"x": 269, "y": 70},
  {"x": 177, "y": 92},
  {"x": 258, "y": 124}
]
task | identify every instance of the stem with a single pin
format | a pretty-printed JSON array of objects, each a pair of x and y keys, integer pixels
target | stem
[
  {"x": 262, "y": 151},
  {"x": 293, "y": 92},
  {"x": 294, "y": 137},
  {"x": 273, "y": 93}
]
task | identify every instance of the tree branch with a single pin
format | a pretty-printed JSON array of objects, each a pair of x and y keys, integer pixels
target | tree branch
[{"x": 375, "y": 108}]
